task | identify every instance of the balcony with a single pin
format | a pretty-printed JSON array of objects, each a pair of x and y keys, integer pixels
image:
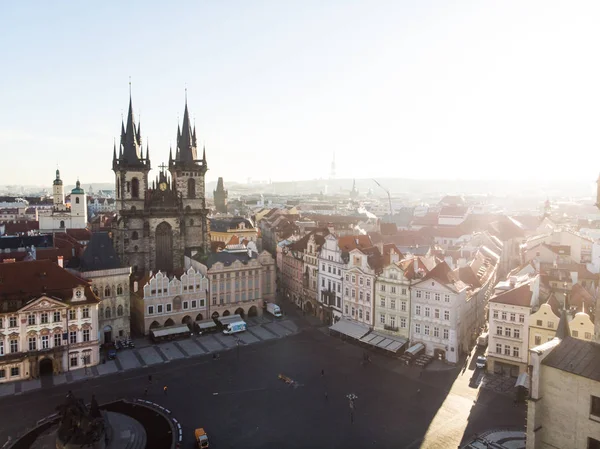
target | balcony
[{"x": 388, "y": 327}]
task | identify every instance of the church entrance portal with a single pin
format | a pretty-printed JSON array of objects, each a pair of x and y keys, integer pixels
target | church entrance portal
[
  {"x": 164, "y": 247},
  {"x": 46, "y": 367},
  {"x": 107, "y": 334}
]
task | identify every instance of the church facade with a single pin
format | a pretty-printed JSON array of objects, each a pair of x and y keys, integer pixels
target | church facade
[
  {"x": 159, "y": 221},
  {"x": 63, "y": 216}
]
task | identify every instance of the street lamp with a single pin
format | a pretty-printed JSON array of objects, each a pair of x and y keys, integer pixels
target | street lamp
[{"x": 351, "y": 398}]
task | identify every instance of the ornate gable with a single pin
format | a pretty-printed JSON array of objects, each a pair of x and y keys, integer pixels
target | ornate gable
[{"x": 43, "y": 303}]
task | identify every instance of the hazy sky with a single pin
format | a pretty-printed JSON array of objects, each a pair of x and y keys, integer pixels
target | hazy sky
[{"x": 420, "y": 89}]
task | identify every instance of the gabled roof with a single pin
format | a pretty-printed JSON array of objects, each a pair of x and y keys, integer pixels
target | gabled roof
[
  {"x": 228, "y": 258},
  {"x": 350, "y": 242},
  {"x": 100, "y": 254},
  {"x": 444, "y": 274},
  {"x": 506, "y": 228},
  {"x": 576, "y": 356},
  {"x": 454, "y": 211},
  {"x": 27, "y": 280},
  {"x": 518, "y": 296}
]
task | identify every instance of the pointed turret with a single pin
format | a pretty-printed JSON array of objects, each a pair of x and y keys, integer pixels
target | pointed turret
[
  {"x": 147, "y": 152},
  {"x": 139, "y": 133},
  {"x": 115, "y": 152},
  {"x": 131, "y": 147},
  {"x": 194, "y": 141},
  {"x": 186, "y": 152},
  {"x": 170, "y": 156},
  {"x": 122, "y": 131}
]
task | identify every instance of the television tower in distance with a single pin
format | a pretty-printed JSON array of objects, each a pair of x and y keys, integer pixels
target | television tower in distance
[{"x": 332, "y": 171}]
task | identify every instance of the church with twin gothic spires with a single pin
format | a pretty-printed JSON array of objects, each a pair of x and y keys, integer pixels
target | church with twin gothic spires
[{"x": 162, "y": 220}]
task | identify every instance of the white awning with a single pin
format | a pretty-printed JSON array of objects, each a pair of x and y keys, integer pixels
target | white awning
[
  {"x": 206, "y": 324},
  {"x": 388, "y": 342},
  {"x": 173, "y": 330},
  {"x": 523, "y": 380},
  {"x": 351, "y": 328},
  {"x": 414, "y": 349}
]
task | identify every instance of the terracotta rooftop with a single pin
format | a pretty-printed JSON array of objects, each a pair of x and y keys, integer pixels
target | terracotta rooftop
[
  {"x": 518, "y": 296},
  {"x": 350, "y": 242}
]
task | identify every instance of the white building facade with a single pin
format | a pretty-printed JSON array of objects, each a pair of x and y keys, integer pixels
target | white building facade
[
  {"x": 392, "y": 302},
  {"x": 330, "y": 280},
  {"x": 61, "y": 216},
  {"x": 358, "y": 288}
]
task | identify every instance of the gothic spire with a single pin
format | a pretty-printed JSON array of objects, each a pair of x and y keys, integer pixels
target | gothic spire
[
  {"x": 114, "y": 151},
  {"x": 139, "y": 133},
  {"x": 147, "y": 150},
  {"x": 131, "y": 146},
  {"x": 170, "y": 156},
  {"x": 185, "y": 143},
  {"x": 194, "y": 135}
]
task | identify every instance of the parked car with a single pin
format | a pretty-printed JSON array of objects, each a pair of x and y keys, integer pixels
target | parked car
[{"x": 481, "y": 362}]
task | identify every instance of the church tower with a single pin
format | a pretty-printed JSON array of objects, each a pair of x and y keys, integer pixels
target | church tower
[
  {"x": 187, "y": 172},
  {"x": 220, "y": 196},
  {"x": 131, "y": 183},
  {"x": 58, "y": 191},
  {"x": 78, "y": 207}
]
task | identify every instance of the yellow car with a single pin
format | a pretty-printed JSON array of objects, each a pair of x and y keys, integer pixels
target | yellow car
[{"x": 201, "y": 438}]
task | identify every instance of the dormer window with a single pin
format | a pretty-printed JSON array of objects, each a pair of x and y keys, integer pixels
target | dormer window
[{"x": 78, "y": 294}]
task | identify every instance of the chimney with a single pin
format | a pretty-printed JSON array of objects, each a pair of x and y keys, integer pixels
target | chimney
[{"x": 60, "y": 261}]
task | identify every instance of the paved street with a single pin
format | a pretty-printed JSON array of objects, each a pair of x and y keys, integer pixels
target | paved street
[{"x": 240, "y": 401}]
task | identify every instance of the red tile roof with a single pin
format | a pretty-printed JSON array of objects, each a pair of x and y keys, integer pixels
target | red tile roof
[
  {"x": 518, "y": 296},
  {"x": 442, "y": 273},
  {"x": 80, "y": 234},
  {"x": 454, "y": 211},
  {"x": 350, "y": 242},
  {"x": 20, "y": 227},
  {"x": 388, "y": 228},
  {"x": 26, "y": 280}
]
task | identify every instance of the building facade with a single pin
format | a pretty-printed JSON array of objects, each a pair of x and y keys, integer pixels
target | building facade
[
  {"x": 330, "y": 280},
  {"x": 310, "y": 276},
  {"x": 392, "y": 301},
  {"x": 359, "y": 275},
  {"x": 48, "y": 321},
  {"x": 165, "y": 301},
  {"x": 240, "y": 282},
  {"x": 159, "y": 224}
]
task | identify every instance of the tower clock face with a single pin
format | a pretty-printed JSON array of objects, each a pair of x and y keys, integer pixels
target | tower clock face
[{"x": 162, "y": 186}]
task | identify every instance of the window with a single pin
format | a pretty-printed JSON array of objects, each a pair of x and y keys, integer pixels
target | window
[
  {"x": 368, "y": 282},
  {"x": 360, "y": 280},
  {"x": 437, "y": 296},
  {"x": 513, "y": 317},
  {"x": 498, "y": 348},
  {"x": 504, "y": 315},
  {"x": 506, "y": 350},
  {"x": 1, "y": 347},
  {"x": 595, "y": 406},
  {"x": 201, "y": 302},
  {"x": 169, "y": 307},
  {"x": 427, "y": 295},
  {"x": 588, "y": 336},
  {"x": 507, "y": 332},
  {"x": 538, "y": 340},
  {"x": 353, "y": 293},
  {"x": 393, "y": 304},
  {"x": 447, "y": 298},
  {"x": 550, "y": 325},
  {"x": 360, "y": 295},
  {"x": 499, "y": 330},
  {"x": 135, "y": 191},
  {"x": 360, "y": 313},
  {"x": 14, "y": 371},
  {"x": 32, "y": 343},
  {"x": 538, "y": 322},
  {"x": 495, "y": 314},
  {"x": 87, "y": 357},
  {"x": 45, "y": 341},
  {"x": 159, "y": 308},
  {"x": 404, "y": 291},
  {"x": 437, "y": 314},
  {"x": 107, "y": 291},
  {"x": 368, "y": 297},
  {"x": 353, "y": 311},
  {"x": 426, "y": 329},
  {"x": 186, "y": 305},
  {"x": 403, "y": 306},
  {"x": 191, "y": 188},
  {"x": 521, "y": 318},
  {"x": 86, "y": 335},
  {"x": 31, "y": 319},
  {"x": 323, "y": 265},
  {"x": 382, "y": 302},
  {"x": 194, "y": 304},
  {"x": 417, "y": 328},
  {"x": 447, "y": 315},
  {"x": 403, "y": 322},
  {"x": 347, "y": 278},
  {"x": 43, "y": 318},
  {"x": 515, "y": 351},
  {"x": 346, "y": 309},
  {"x": 367, "y": 316},
  {"x": 418, "y": 293},
  {"x": 56, "y": 317},
  {"x": 150, "y": 310},
  {"x": 393, "y": 289},
  {"x": 57, "y": 340},
  {"x": 2, "y": 373},
  {"x": 85, "y": 312},
  {"x": 417, "y": 309},
  {"x": 329, "y": 268},
  {"x": 73, "y": 337},
  {"x": 393, "y": 321},
  {"x": 517, "y": 333},
  {"x": 445, "y": 334},
  {"x": 427, "y": 311},
  {"x": 73, "y": 314},
  {"x": 14, "y": 346},
  {"x": 382, "y": 318},
  {"x": 119, "y": 290},
  {"x": 73, "y": 360},
  {"x": 12, "y": 321},
  {"x": 353, "y": 279}
]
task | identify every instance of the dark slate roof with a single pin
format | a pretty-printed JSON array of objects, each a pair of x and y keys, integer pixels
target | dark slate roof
[
  {"x": 576, "y": 356},
  {"x": 227, "y": 258},
  {"x": 224, "y": 224},
  {"x": 38, "y": 241},
  {"x": 100, "y": 254}
]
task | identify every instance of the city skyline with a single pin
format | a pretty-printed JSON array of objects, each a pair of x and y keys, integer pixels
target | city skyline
[{"x": 477, "y": 91}]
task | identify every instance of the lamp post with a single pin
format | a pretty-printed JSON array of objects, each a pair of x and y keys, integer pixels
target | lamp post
[{"x": 351, "y": 398}]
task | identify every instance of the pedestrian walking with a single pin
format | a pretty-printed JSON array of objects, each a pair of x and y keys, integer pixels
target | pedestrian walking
[
  {"x": 165, "y": 389},
  {"x": 146, "y": 392},
  {"x": 322, "y": 372},
  {"x": 150, "y": 378},
  {"x": 326, "y": 396}
]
